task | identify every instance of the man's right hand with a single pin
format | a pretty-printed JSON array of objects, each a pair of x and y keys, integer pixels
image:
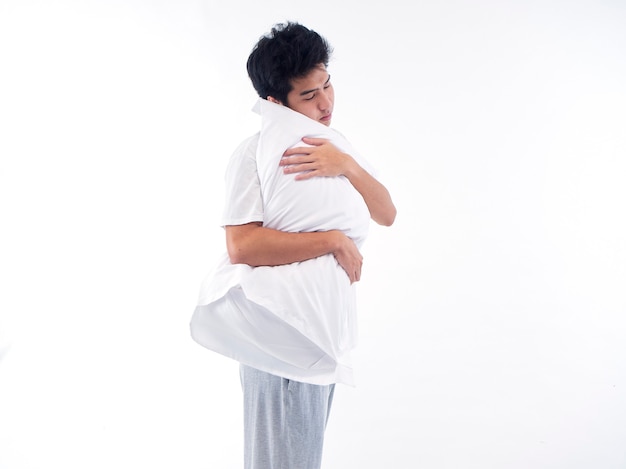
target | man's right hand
[{"x": 349, "y": 258}]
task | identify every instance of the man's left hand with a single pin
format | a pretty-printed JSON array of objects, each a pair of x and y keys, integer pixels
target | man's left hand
[{"x": 321, "y": 159}]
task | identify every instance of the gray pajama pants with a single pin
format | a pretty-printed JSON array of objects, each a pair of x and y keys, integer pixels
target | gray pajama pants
[{"x": 284, "y": 421}]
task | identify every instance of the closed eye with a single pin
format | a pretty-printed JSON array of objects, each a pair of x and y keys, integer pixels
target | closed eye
[{"x": 313, "y": 91}]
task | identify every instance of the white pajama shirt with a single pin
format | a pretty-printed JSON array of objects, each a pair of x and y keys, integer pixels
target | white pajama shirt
[{"x": 297, "y": 320}]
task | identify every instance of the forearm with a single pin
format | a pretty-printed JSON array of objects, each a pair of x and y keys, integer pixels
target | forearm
[
  {"x": 376, "y": 195},
  {"x": 256, "y": 245}
]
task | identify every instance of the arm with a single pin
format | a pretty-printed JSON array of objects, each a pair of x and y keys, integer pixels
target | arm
[
  {"x": 256, "y": 245},
  {"x": 324, "y": 159}
]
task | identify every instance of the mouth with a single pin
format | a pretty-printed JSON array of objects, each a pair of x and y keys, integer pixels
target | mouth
[{"x": 326, "y": 118}]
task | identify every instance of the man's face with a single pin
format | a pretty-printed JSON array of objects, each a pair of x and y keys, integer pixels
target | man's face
[{"x": 313, "y": 95}]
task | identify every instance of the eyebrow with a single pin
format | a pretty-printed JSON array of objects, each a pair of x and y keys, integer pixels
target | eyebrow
[{"x": 315, "y": 89}]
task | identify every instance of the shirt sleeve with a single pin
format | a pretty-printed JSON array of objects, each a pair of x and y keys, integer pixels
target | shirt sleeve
[{"x": 244, "y": 202}]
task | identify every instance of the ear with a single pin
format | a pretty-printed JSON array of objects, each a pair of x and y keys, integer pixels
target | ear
[{"x": 271, "y": 99}]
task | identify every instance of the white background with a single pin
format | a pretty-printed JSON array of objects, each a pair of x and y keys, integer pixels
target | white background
[{"x": 492, "y": 313}]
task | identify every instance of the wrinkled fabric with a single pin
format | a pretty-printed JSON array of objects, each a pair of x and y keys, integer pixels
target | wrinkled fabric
[{"x": 298, "y": 320}]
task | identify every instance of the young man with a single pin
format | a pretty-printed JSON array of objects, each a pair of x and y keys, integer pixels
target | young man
[{"x": 299, "y": 199}]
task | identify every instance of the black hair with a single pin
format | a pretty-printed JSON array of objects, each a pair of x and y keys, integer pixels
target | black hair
[{"x": 287, "y": 52}]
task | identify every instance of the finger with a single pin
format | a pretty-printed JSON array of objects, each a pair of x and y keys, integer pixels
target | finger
[
  {"x": 314, "y": 141},
  {"x": 305, "y": 175},
  {"x": 295, "y": 160},
  {"x": 297, "y": 167},
  {"x": 297, "y": 151},
  {"x": 355, "y": 277},
  {"x": 352, "y": 277}
]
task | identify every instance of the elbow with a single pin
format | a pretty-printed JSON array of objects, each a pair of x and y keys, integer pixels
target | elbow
[
  {"x": 238, "y": 243},
  {"x": 242, "y": 253},
  {"x": 387, "y": 222},
  {"x": 236, "y": 254},
  {"x": 240, "y": 257},
  {"x": 235, "y": 257},
  {"x": 388, "y": 218}
]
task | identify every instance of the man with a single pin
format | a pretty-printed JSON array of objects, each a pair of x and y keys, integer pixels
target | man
[{"x": 282, "y": 302}]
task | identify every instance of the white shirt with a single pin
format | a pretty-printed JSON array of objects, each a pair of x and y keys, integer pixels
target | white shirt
[
  {"x": 296, "y": 320},
  {"x": 244, "y": 203}
]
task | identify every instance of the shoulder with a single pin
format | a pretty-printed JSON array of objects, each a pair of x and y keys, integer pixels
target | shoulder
[
  {"x": 242, "y": 162},
  {"x": 247, "y": 148},
  {"x": 244, "y": 155}
]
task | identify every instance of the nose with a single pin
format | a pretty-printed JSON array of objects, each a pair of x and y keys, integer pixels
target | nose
[{"x": 325, "y": 101}]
